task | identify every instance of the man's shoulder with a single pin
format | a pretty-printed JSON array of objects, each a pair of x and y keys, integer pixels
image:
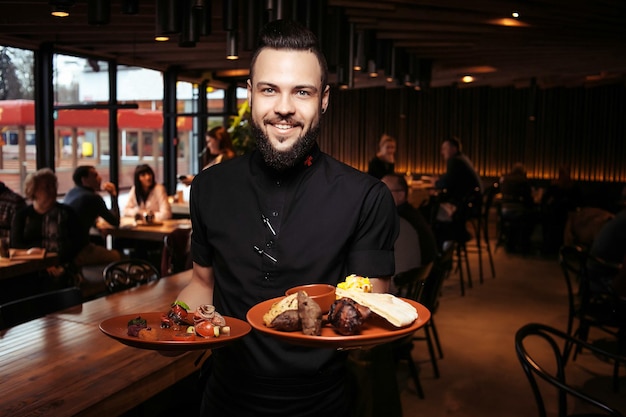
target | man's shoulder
[{"x": 10, "y": 196}]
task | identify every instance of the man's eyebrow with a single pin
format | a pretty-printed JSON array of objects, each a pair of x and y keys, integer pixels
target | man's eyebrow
[{"x": 265, "y": 84}]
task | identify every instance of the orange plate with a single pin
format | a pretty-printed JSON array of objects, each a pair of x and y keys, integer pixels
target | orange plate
[
  {"x": 375, "y": 331},
  {"x": 117, "y": 328}
]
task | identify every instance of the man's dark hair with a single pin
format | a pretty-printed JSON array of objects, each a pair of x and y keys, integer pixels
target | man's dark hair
[
  {"x": 80, "y": 173},
  {"x": 401, "y": 182},
  {"x": 456, "y": 142},
  {"x": 287, "y": 34}
]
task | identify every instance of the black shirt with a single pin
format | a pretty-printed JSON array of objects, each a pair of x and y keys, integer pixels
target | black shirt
[
  {"x": 325, "y": 220},
  {"x": 460, "y": 179},
  {"x": 89, "y": 205},
  {"x": 379, "y": 168}
]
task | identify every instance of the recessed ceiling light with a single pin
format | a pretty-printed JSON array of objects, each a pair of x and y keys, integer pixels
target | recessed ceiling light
[
  {"x": 515, "y": 15},
  {"x": 467, "y": 79}
]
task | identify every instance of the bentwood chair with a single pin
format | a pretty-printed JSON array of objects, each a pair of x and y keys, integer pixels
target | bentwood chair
[
  {"x": 29, "y": 308},
  {"x": 129, "y": 273},
  {"x": 598, "y": 308},
  {"x": 531, "y": 342}
]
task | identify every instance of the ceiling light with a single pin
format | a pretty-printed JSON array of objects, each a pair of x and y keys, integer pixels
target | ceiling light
[
  {"x": 515, "y": 15},
  {"x": 468, "y": 79},
  {"x": 168, "y": 19},
  {"x": 60, "y": 8},
  {"x": 231, "y": 46}
]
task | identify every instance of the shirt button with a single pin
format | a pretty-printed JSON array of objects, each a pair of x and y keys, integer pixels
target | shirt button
[
  {"x": 278, "y": 183},
  {"x": 266, "y": 277},
  {"x": 269, "y": 243},
  {"x": 274, "y": 214}
]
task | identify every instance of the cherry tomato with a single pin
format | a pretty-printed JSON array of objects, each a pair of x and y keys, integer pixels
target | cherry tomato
[{"x": 205, "y": 329}]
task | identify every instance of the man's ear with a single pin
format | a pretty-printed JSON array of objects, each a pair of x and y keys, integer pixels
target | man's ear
[
  {"x": 325, "y": 98},
  {"x": 249, "y": 91}
]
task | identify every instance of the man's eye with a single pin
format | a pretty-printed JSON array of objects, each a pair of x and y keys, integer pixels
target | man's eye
[
  {"x": 268, "y": 90},
  {"x": 303, "y": 93}
]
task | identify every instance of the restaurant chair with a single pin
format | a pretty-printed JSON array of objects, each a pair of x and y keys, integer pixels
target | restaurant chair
[
  {"x": 35, "y": 306},
  {"x": 600, "y": 309},
  {"x": 532, "y": 341},
  {"x": 129, "y": 273},
  {"x": 470, "y": 211},
  {"x": 410, "y": 285},
  {"x": 426, "y": 290},
  {"x": 176, "y": 255}
]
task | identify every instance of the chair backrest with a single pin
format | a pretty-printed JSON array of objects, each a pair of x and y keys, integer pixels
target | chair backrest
[
  {"x": 175, "y": 256},
  {"x": 411, "y": 283},
  {"x": 29, "y": 308},
  {"x": 489, "y": 196},
  {"x": 433, "y": 283},
  {"x": 573, "y": 261},
  {"x": 128, "y": 273},
  {"x": 531, "y": 343}
]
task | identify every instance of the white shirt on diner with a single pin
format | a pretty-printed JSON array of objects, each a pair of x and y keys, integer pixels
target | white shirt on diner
[{"x": 157, "y": 202}]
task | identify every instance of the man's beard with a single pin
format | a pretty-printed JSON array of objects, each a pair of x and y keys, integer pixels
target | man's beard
[{"x": 282, "y": 160}]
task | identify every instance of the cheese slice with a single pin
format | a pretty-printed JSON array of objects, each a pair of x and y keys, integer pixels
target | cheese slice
[
  {"x": 396, "y": 311},
  {"x": 288, "y": 303}
]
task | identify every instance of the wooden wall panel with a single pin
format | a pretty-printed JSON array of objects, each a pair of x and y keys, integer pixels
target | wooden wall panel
[{"x": 583, "y": 128}]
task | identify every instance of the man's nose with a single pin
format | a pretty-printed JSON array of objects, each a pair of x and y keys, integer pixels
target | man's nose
[{"x": 284, "y": 104}]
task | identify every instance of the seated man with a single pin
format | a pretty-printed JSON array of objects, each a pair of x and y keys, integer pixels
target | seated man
[
  {"x": 609, "y": 246},
  {"x": 89, "y": 205},
  {"x": 455, "y": 187},
  {"x": 10, "y": 203},
  {"x": 460, "y": 178},
  {"x": 517, "y": 209},
  {"x": 423, "y": 237}
]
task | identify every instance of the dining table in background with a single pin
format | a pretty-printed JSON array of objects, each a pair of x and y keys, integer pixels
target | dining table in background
[
  {"x": 141, "y": 231},
  {"x": 63, "y": 365},
  {"x": 11, "y": 268},
  {"x": 420, "y": 192}
]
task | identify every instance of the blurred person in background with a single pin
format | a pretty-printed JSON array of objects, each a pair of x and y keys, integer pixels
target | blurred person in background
[
  {"x": 89, "y": 206},
  {"x": 219, "y": 147},
  {"x": 10, "y": 203},
  {"x": 385, "y": 160},
  {"x": 47, "y": 224},
  {"x": 146, "y": 196}
]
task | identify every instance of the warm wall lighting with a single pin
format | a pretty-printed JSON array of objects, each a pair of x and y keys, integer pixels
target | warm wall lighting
[{"x": 231, "y": 46}]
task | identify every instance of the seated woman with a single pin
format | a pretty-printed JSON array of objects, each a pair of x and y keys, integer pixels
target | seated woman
[
  {"x": 146, "y": 196},
  {"x": 47, "y": 224},
  {"x": 219, "y": 148},
  {"x": 383, "y": 163}
]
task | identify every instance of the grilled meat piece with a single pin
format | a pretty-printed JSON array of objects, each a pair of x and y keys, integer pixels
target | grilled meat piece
[{"x": 347, "y": 316}]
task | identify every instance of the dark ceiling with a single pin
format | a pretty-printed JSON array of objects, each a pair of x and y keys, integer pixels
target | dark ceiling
[{"x": 554, "y": 42}]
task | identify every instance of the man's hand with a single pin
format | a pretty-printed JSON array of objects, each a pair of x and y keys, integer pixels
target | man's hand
[{"x": 109, "y": 187}]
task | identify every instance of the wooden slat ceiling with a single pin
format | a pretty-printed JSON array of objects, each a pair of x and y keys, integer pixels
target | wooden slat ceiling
[{"x": 553, "y": 42}]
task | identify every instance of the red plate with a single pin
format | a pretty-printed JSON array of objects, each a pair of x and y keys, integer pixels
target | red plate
[
  {"x": 375, "y": 331},
  {"x": 117, "y": 328}
]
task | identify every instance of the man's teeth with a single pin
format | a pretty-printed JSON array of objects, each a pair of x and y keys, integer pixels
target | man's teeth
[{"x": 283, "y": 127}]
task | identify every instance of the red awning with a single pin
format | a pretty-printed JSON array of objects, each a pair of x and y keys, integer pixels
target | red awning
[{"x": 22, "y": 113}]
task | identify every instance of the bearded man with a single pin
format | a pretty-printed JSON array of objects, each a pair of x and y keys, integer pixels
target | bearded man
[{"x": 284, "y": 215}]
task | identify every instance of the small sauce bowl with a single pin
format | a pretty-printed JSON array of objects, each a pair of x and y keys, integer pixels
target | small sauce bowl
[{"x": 322, "y": 294}]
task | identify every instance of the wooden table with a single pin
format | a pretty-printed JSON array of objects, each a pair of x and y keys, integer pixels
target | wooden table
[
  {"x": 419, "y": 192},
  {"x": 180, "y": 208},
  {"x": 11, "y": 268},
  {"x": 63, "y": 365},
  {"x": 145, "y": 232}
]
